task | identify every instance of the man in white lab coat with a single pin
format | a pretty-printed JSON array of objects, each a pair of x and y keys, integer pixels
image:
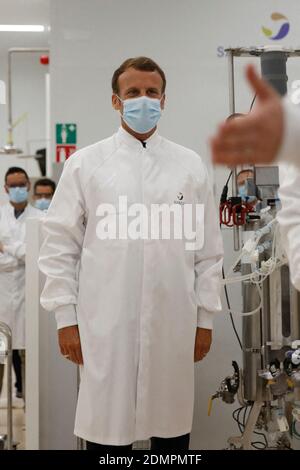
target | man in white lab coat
[
  {"x": 13, "y": 216},
  {"x": 43, "y": 192},
  {"x": 141, "y": 309}
]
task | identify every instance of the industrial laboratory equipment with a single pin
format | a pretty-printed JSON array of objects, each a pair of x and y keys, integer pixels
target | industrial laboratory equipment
[{"x": 267, "y": 385}]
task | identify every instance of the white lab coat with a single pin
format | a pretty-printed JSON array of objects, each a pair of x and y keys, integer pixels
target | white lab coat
[
  {"x": 137, "y": 302},
  {"x": 12, "y": 270},
  {"x": 289, "y": 218},
  {"x": 290, "y": 148}
]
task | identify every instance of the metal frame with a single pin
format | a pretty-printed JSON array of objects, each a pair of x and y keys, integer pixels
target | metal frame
[
  {"x": 246, "y": 52},
  {"x": 244, "y": 441},
  {"x": 236, "y": 236}
]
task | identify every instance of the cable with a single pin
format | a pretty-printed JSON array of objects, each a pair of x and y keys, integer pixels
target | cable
[
  {"x": 257, "y": 236},
  {"x": 242, "y": 425},
  {"x": 230, "y": 314},
  {"x": 224, "y": 194},
  {"x": 265, "y": 444},
  {"x": 254, "y": 444},
  {"x": 237, "y": 418},
  {"x": 258, "y": 276},
  {"x": 252, "y": 103},
  {"x": 263, "y": 435},
  {"x": 257, "y": 309},
  {"x": 228, "y": 179},
  {"x": 222, "y": 200},
  {"x": 244, "y": 417}
]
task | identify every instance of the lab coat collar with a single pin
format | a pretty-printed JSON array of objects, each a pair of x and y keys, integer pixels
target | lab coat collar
[
  {"x": 124, "y": 137},
  {"x": 11, "y": 210}
]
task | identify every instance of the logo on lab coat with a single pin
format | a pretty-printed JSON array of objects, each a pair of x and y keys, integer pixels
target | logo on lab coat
[{"x": 179, "y": 199}]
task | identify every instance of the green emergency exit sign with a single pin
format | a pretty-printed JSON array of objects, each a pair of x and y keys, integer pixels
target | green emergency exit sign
[{"x": 66, "y": 134}]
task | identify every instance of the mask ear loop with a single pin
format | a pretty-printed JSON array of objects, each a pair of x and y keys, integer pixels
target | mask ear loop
[
  {"x": 119, "y": 97},
  {"x": 160, "y": 102},
  {"x": 121, "y": 102}
]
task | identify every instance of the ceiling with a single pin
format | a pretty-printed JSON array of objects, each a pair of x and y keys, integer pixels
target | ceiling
[{"x": 24, "y": 12}]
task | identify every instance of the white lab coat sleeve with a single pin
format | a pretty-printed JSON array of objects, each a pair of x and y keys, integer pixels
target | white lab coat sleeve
[
  {"x": 64, "y": 230},
  {"x": 16, "y": 249},
  {"x": 208, "y": 261},
  {"x": 7, "y": 261},
  {"x": 289, "y": 218},
  {"x": 290, "y": 149}
]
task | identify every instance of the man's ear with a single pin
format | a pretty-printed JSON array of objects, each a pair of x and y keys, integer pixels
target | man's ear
[
  {"x": 116, "y": 103},
  {"x": 163, "y": 100},
  {"x": 6, "y": 189},
  {"x": 29, "y": 185}
]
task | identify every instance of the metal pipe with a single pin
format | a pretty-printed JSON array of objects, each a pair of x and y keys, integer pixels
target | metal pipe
[
  {"x": 273, "y": 69},
  {"x": 236, "y": 237},
  {"x": 6, "y": 331},
  {"x": 9, "y": 83},
  {"x": 250, "y": 426},
  {"x": 48, "y": 127},
  {"x": 231, "y": 82},
  {"x": 251, "y": 337}
]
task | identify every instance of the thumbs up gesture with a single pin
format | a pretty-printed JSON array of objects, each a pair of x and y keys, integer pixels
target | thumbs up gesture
[{"x": 255, "y": 137}]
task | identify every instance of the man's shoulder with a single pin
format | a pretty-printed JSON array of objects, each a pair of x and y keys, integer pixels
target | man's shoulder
[
  {"x": 34, "y": 212},
  {"x": 185, "y": 157},
  {"x": 6, "y": 207},
  {"x": 98, "y": 150}
]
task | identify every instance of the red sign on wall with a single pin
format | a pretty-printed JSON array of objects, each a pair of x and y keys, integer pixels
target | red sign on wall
[{"x": 64, "y": 151}]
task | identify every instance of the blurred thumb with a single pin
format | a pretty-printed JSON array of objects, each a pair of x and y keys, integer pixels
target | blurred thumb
[{"x": 260, "y": 87}]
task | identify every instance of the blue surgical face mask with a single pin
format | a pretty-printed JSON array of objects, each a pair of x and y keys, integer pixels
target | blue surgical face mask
[
  {"x": 242, "y": 191},
  {"x": 18, "y": 194},
  {"x": 141, "y": 114},
  {"x": 42, "y": 204},
  {"x": 243, "y": 194}
]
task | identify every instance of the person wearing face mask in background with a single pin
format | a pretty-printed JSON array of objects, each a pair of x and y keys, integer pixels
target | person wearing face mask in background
[
  {"x": 13, "y": 216},
  {"x": 242, "y": 178},
  {"x": 140, "y": 313},
  {"x": 246, "y": 188},
  {"x": 43, "y": 192},
  {"x": 245, "y": 178}
]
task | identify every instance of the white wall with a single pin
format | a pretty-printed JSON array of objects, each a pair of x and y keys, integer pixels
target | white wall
[
  {"x": 90, "y": 39},
  {"x": 28, "y": 96},
  {"x": 28, "y": 81},
  {"x": 28, "y": 74}
]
